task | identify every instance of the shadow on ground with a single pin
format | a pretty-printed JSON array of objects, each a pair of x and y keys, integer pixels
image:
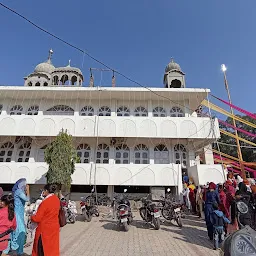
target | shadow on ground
[{"x": 191, "y": 225}]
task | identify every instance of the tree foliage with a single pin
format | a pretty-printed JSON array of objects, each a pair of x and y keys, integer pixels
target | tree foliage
[
  {"x": 61, "y": 158},
  {"x": 249, "y": 154}
]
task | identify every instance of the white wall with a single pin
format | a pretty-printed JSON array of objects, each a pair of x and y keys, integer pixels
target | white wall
[
  {"x": 103, "y": 174},
  {"x": 203, "y": 173},
  {"x": 154, "y": 127}
]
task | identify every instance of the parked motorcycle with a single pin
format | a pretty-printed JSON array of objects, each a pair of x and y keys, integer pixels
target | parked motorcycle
[
  {"x": 89, "y": 207},
  {"x": 241, "y": 210},
  {"x": 150, "y": 212},
  {"x": 172, "y": 211},
  {"x": 70, "y": 209},
  {"x": 122, "y": 207}
]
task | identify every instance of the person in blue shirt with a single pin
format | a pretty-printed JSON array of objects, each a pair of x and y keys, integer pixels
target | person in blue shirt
[
  {"x": 218, "y": 219},
  {"x": 210, "y": 198}
]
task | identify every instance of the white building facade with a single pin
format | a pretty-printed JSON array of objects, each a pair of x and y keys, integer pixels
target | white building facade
[{"x": 131, "y": 137}]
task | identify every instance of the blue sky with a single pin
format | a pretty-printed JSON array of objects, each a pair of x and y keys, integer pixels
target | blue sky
[{"x": 138, "y": 38}]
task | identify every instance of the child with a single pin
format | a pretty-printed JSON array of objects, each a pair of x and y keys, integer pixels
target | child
[{"x": 218, "y": 220}]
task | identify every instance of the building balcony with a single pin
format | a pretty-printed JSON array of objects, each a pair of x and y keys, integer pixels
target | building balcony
[
  {"x": 101, "y": 174},
  {"x": 110, "y": 126},
  {"x": 116, "y": 174},
  {"x": 204, "y": 173}
]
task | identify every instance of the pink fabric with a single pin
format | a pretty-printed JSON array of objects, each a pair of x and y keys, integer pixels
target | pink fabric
[
  {"x": 237, "y": 164},
  {"x": 5, "y": 224},
  {"x": 237, "y": 108},
  {"x": 238, "y": 129}
]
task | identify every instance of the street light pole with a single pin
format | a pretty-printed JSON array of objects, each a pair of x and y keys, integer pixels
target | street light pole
[{"x": 239, "y": 152}]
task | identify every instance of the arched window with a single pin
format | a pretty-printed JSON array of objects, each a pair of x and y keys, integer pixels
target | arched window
[
  {"x": 159, "y": 112},
  {"x": 37, "y": 84},
  {"x": 141, "y": 155},
  {"x": 123, "y": 111},
  {"x": 102, "y": 156},
  {"x": 55, "y": 80},
  {"x": 180, "y": 155},
  {"x": 6, "y": 152},
  {"x": 161, "y": 154},
  {"x": 74, "y": 80},
  {"x": 60, "y": 110},
  {"x": 24, "y": 152},
  {"x": 122, "y": 154},
  {"x": 16, "y": 110},
  {"x": 64, "y": 80},
  {"x": 176, "y": 83},
  {"x": 83, "y": 152},
  {"x": 33, "y": 110},
  {"x": 40, "y": 156},
  {"x": 141, "y": 111},
  {"x": 87, "y": 111},
  {"x": 45, "y": 84},
  {"x": 177, "y": 112},
  {"x": 104, "y": 111},
  {"x": 1, "y": 108},
  {"x": 30, "y": 84}
]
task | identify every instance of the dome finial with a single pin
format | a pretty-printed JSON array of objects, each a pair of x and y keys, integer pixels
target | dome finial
[
  {"x": 50, "y": 56},
  {"x": 69, "y": 62},
  {"x": 172, "y": 60}
]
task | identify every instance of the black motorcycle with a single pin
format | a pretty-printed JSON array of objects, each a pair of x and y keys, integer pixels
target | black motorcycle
[
  {"x": 150, "y": 212},
  {"x": 172, "y": 211},
  {"x": 88, "y": 207},
  {"x": 122, "y": 207}
]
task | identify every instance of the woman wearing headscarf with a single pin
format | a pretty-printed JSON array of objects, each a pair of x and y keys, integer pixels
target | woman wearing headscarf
[
  {"x": 47, "y": 238},
  {"x": 223, "y": 199},
  {"x": 211, "y": 198},
  {"x": 21, "y": 196}
]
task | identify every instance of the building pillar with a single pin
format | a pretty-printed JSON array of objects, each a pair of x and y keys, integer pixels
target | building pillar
[
  {"x": 33, "y": 152},
  {"x": 111, "y": 155},
  {"x": 208, "y": 155},
  {"x": 113, "y": 107},
  {"x": 14, "y": 153},
  {"x": 180, "y": 184},
  {"x": 110, "y": 191},
  {"x": 150, "y": 108},
  {"x": 191, "y": 158},
  {"x": 151, "y": 155}
]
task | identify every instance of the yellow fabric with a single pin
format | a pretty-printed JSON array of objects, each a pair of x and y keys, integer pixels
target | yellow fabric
[
  {"x": 192, "y": 186},
  {"x": 234, "y": 136}
]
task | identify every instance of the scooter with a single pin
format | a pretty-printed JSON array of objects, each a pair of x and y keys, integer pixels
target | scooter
[{"x": 123, "y": 211}]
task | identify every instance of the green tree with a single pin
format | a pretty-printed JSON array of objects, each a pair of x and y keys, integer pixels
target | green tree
[{"x": 61, "y": 157}]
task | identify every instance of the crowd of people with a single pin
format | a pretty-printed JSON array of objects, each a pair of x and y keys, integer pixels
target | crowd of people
[
  {"x": 217, "y": 204},
  {"x": 13, "y": 227}
]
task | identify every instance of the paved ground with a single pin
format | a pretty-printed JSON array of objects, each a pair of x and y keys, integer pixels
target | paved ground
[{"x": 102, "y": 237}]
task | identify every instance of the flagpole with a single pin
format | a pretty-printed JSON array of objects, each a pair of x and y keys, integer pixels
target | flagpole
[{"x": 239, "y": 152}]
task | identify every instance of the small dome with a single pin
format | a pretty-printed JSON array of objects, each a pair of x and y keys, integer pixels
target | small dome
[
  {"x": 172, "y": 66},
  {"x": 44, "y": 67},
  {"x": 68, "y": 69}
]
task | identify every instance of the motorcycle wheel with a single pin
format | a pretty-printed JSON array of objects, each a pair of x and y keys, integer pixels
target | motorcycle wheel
[
  {"x": 72, "y": 219},
  {"x": 126, "y": 226},
  {"x": 143, "y": 212},
  {"x": 165, "y": 213},
  {"x": 179, "y": 222},
  {"x": 88, "y": 217},
  {"x": 156, "y": 223}
]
